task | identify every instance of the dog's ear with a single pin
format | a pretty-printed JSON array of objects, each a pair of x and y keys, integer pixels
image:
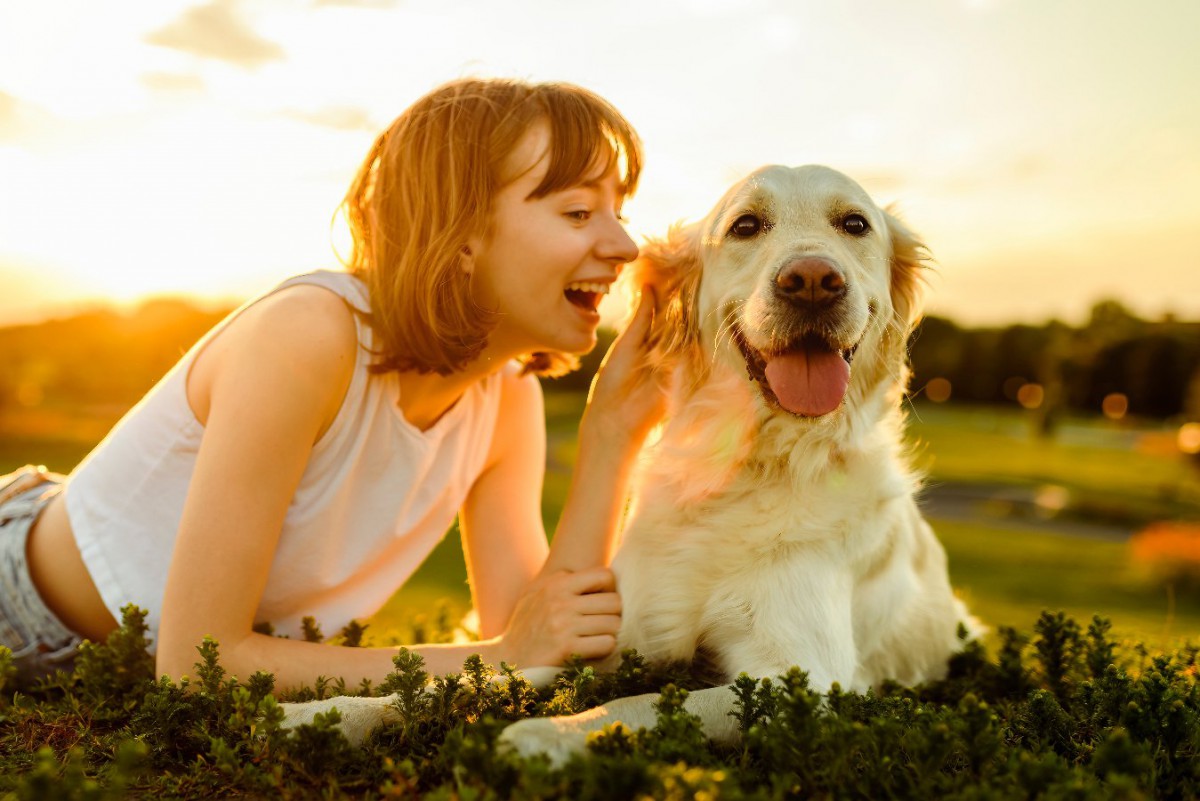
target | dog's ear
[
  {"x": 909, "y": 261},
  {"x": 672, "y": 266}
]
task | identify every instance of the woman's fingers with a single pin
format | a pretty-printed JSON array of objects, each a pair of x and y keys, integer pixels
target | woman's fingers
[
  {"x": 643, "y": 315},
  {"x": 639, "y": 324},
  {"x": 564, "y": 613},
  {"x": 597, "y": 579},
  {"x": 599, "y": 603},
  {"x": 595, "y": 647},
  {"x": 590, "y": 625}
]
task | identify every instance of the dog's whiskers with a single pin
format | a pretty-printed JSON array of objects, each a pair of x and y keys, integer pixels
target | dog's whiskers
[
  {"x": 891, "y": 326},
  {"x": 726, "y": 327}
]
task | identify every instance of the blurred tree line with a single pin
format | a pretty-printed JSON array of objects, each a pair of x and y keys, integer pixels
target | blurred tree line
[
  {"x": 1116, "y": 363},
  {"x": 97, "y": 358},
  {"x": 110, "y": 358}
]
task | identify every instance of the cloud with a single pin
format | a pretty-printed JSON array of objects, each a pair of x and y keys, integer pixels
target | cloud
[
  {"x": 8, "y": 108},
  {"x": 171, "y": 82},
  {"x": 20, "y": 118},
  {"x": 216, "y": 31},
  {"x": 343, "y": 118},
  {"x": 358, "y": 3}
]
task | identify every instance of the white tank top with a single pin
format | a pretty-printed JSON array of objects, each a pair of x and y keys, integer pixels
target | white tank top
[{"x": 376, "y": 497}]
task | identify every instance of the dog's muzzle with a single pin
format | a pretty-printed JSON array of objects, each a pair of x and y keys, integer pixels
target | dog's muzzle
[
  {"x": 809, "y": 378},
  {"x": 808, "y": 372},
  {"x": 813, "y": 284}
]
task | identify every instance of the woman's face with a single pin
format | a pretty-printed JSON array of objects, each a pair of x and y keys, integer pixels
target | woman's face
[{"x": 546, "y": 262}]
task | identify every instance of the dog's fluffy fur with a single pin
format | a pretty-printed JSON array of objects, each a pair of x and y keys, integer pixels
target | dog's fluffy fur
[
  {"x": 758, "y": 537},
  {"x": 763, "y": 538}
]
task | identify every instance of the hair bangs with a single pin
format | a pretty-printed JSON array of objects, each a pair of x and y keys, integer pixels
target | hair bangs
[{"x": 588, "y": 137}]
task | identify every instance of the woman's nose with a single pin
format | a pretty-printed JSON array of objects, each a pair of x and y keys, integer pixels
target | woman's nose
[{"x": 618, "y": 246}]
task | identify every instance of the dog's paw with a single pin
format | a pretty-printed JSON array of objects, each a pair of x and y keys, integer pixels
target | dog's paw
[
  {"x": 359, "y": 716},
  {"x": 549, "y": 737}
]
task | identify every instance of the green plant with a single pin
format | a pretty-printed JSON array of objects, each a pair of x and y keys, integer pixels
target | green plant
[{"x": 1064, "y": 713}]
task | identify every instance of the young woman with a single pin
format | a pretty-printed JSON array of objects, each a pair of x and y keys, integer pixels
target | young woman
[{"x": 308, "y": 453}]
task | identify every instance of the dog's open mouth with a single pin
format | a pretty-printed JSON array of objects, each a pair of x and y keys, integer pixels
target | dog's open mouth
[{"x": 808, "y": 378}]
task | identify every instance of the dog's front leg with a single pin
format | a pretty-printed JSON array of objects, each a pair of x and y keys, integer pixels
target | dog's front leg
[
  {"x": 798, "y": 615},
  {"x": 360, "y": 716},
  {"x": 559, "y": 738},
  {"x": 363, "y": 715}
]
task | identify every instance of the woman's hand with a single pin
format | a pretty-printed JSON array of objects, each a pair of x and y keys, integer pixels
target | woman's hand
[
  {"x": 628, "y": 395},
  {"x": 562, "y": 613},
  {"x": 627, "y": 399}
]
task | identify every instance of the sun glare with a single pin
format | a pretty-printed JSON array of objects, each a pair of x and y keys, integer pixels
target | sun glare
[{"x": 178, "y": 160}]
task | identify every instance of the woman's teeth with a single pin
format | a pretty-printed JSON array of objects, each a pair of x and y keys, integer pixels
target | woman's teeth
[
  {"x": 585, "y": 286},
  {"x": 585, "y": 294}
]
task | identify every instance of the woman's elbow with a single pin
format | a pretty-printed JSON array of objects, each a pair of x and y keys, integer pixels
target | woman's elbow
[{"x": 180, "y": 650}]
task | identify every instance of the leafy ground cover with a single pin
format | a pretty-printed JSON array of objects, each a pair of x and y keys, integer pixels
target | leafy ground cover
[
  {"x": 1059, "y": 714},
  {"x": 1063, "y": 715}
]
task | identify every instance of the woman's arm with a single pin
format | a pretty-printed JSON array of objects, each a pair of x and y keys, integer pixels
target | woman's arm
[
  {"x": 533, "y": 617},
  {"x": 545, "y": 604},
  {"x": 626, "y": 401},
  {"x": 265, "y": 389},
  {"x": 503, "y": 538}
]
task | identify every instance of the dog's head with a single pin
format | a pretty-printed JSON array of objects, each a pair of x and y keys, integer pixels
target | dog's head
[{"x": 797, "y": 279}]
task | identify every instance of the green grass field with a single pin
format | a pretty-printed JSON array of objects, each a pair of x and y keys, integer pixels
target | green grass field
[
  {"x": 1119, "y": 472},
  {"x": 1006, "y": 575}
]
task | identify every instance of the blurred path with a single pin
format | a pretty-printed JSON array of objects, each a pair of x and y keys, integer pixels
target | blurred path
[{"x": 1011, "y": 507}]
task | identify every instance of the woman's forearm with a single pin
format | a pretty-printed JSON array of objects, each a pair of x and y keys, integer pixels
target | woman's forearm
[
  {"x": 295, "y": 663},
  {"x": 626, "y": 401},
  {"x": 586, "y": 536}
]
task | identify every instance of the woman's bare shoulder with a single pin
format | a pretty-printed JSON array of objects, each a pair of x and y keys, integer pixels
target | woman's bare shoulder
[
  {"x": 304, "y": 316},
  {"x": 520, "y": 394},
  {"x": 303, "y": 334},
  {"x": 520, "y": 424}
]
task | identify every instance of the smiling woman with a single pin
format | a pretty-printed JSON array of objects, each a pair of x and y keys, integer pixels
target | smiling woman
[{"x": 305, "y": 457}]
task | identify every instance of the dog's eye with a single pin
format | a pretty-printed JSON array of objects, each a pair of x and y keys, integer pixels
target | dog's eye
[
  {"x": 746, "y": 226},
  {"x": 855, "y": 225}
]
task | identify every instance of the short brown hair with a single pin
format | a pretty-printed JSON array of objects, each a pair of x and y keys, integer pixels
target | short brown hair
[{"x": 428, "y": 183}]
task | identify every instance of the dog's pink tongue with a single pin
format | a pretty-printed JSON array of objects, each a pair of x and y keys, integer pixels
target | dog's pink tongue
[{"x": 809, "y": 381}]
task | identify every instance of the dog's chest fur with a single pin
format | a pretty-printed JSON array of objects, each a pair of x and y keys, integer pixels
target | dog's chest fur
[{"x": 808, "y": 555}]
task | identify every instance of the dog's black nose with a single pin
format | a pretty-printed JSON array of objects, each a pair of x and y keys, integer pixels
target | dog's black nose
[{"x": 813, "y": 282}]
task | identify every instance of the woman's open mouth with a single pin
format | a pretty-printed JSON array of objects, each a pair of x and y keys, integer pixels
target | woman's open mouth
[
  {"x": 808, "y": 378},
  {"x": 586, "y": 294}
]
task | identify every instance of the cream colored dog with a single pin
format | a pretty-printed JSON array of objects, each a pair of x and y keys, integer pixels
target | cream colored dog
[{"x": 774, "y": 522}]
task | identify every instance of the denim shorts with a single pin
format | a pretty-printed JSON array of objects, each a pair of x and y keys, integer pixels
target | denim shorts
[{"x": 40, "y": 643}]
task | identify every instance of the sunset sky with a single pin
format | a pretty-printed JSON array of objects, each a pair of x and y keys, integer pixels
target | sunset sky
[{"x": 1048, "y": 151}]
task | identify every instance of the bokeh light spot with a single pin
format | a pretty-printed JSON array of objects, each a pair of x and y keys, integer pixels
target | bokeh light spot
[
  {"x": 1189, "y": 438},
  {"x": 938, "y": 390},
  {"x": 1115, "y": 405},
  {"x": 1031, "y": 396}
]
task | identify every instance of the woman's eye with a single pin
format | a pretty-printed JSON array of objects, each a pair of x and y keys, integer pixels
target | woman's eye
[
  {"x": 855, "y": 225},
  {"x": 581, "y": 215},
  {"x": 746, "y": 226}
]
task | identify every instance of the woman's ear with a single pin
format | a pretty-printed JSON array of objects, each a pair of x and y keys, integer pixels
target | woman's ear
[
  {"x": 672, "y": 266},
  {"x": 908, "y": 263},
  {"x": 466, "y": 256}
]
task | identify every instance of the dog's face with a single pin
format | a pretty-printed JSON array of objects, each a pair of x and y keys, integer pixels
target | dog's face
[{"x": 796, "y": 278}]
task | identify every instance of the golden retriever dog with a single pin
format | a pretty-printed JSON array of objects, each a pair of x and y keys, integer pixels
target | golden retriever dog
[{"x": 773, "y": 521}]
